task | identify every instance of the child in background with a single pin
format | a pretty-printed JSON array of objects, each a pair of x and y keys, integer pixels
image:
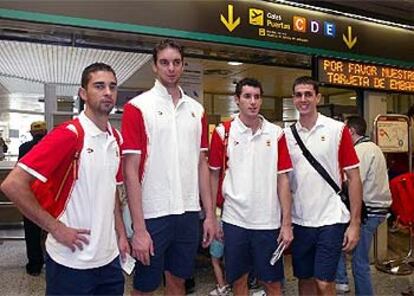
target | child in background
[{"x": 216, "y": 252}]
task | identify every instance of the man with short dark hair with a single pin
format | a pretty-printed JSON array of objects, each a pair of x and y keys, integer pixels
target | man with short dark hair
[
  {"x": 166, "y": 172},
  {"x": 319, "y": 216},
  {"x": 257, "y": 207},
  {"x": 87, "y": 236},
  {"x": 377, "y": 197},
  {"x": 32, "y": 232}
]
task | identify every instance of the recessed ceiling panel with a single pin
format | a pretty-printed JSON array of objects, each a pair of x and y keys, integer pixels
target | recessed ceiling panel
[{"x": 61, "y": 65}]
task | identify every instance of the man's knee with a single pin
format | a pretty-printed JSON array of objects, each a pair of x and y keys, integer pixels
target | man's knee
[
  {"x": 140, "y": 293},
  {"x": 272, "y": 288},
  {"x": 324, "y": 287},
  {"x": 240, "y": 285},
  {"x": 174, "y": 280}
]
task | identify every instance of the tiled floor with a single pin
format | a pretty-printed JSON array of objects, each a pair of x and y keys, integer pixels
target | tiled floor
[{"x": 14, "y": 280}]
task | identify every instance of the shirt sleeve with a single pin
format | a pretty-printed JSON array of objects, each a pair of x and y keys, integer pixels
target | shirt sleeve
[
  {"x": 204, "y": 132},
  {"x": 284, "y": 163},
  {"x": 119, "y": 176},
  {"x": 348, "y": 158},
  {"x": 216, "y": 151},
  {"x": 133, "y": 130},
  {"x": 43, "y": 159}
]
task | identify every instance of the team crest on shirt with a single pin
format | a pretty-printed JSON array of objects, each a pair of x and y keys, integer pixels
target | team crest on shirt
[
  {"x": 322, "y": 138},
  {"x": 268, "y": 143}
]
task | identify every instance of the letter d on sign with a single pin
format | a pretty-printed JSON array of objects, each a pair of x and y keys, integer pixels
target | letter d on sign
[{"x": 315, "y": 27}]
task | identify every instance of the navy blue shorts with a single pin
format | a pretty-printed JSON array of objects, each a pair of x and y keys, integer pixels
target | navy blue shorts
[
  {"x": 176, "y": 240},
  {"x": 105, "y": 280},
  {"x": 316, "y": 251},
  {"x": 250, "y": 251}
]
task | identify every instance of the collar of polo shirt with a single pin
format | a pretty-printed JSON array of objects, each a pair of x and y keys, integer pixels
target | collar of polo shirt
[
  {"x": 163, "y": 93},
  {"x": 91, "y": 127}
]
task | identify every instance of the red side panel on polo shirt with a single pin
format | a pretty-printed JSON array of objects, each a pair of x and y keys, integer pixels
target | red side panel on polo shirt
[
  {"x": 283, "y": 161},
  {"x": 204, "y": 132},
  {"x": 346, "y": 154},
  {"x": 134, "y": 134},
  {"x": 216, "y": 151}
]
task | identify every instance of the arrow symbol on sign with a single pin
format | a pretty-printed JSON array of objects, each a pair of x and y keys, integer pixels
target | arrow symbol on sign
[
  {"x": 348, "y": 39},
  {"x": 230, "y": 23}
]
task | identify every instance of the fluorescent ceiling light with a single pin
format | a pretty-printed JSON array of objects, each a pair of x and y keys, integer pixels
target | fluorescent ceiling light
[
  {"x": 352, "y": 98},
  {"x": 234, "y": 63}
]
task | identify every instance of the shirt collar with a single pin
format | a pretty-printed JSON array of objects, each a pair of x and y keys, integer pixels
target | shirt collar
[
  {"x": 320, "y": 121},
  {"x": 162, "y": 91},
  {"x": 90, "y": 127},
  {"x": 264, "y": 129}
]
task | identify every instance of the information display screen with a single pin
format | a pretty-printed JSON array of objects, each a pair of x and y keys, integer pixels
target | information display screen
[{"x": 363, "y": 75}]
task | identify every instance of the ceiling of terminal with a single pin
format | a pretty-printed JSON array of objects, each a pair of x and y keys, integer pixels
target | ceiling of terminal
[
  {"x": 398, "y": 11},
  {"x": 57, "y": 54}
]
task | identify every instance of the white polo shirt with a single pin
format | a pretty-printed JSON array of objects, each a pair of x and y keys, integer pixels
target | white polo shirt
[
  {"x": 92, "y": 201},
  {"x": 169, "y": 139},
  {"x": 314, "y": 201},
  {"x": 250, "y": 183},
  {"x": 374, "y": 177}
]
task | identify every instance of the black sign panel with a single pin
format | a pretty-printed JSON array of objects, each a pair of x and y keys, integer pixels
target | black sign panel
[
  {"x": 363, "y": 75},
  {"x": 273, "y": 25}
]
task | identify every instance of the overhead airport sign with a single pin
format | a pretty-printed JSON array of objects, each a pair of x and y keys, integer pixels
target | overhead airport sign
[
  {"x": 243, "y": 22},
  {"x": 364, "y": 75}
]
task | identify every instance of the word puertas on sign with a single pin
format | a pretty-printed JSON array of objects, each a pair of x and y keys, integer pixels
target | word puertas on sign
[{"x": 364, "y": 75}]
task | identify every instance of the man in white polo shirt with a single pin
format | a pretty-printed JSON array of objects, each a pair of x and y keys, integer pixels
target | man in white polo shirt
[
  {"x": 165, "y": 169},
  {"x": 85, "y": 239},
  {"x": 319, "y": 216},
  {"x": 257, "y": 201}
]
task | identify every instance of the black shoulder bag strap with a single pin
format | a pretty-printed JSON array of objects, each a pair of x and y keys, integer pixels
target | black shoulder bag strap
[{"x": 316, "y": 165}]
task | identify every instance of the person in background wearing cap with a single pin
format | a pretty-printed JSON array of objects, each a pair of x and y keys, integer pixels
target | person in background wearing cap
[
  {"x": 3, "y": 148},
  {"x": 32, "y": 232}
]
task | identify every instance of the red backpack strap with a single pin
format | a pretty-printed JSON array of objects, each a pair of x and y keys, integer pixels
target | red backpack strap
[{"x": 79, "y": 145}]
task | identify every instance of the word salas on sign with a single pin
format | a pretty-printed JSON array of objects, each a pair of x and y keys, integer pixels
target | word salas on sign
[{"x": 363, "y": 75}]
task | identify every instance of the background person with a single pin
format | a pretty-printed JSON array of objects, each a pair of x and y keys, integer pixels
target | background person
[
  {"x": 3, "y": 148},
  {"x": 33, "y": 234},
  {"x": 377, "y": 197}
]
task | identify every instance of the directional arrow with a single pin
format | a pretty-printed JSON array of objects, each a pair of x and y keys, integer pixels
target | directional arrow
[
  {"x": 348, "y": 39},
  {"x": 230, "y": 23}
]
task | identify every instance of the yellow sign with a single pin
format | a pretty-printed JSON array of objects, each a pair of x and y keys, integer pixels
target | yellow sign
[
  {"x": 349, "y": 41},
  {"x": 256, "y": 17},
  {"x": 230, "y": 23}
]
